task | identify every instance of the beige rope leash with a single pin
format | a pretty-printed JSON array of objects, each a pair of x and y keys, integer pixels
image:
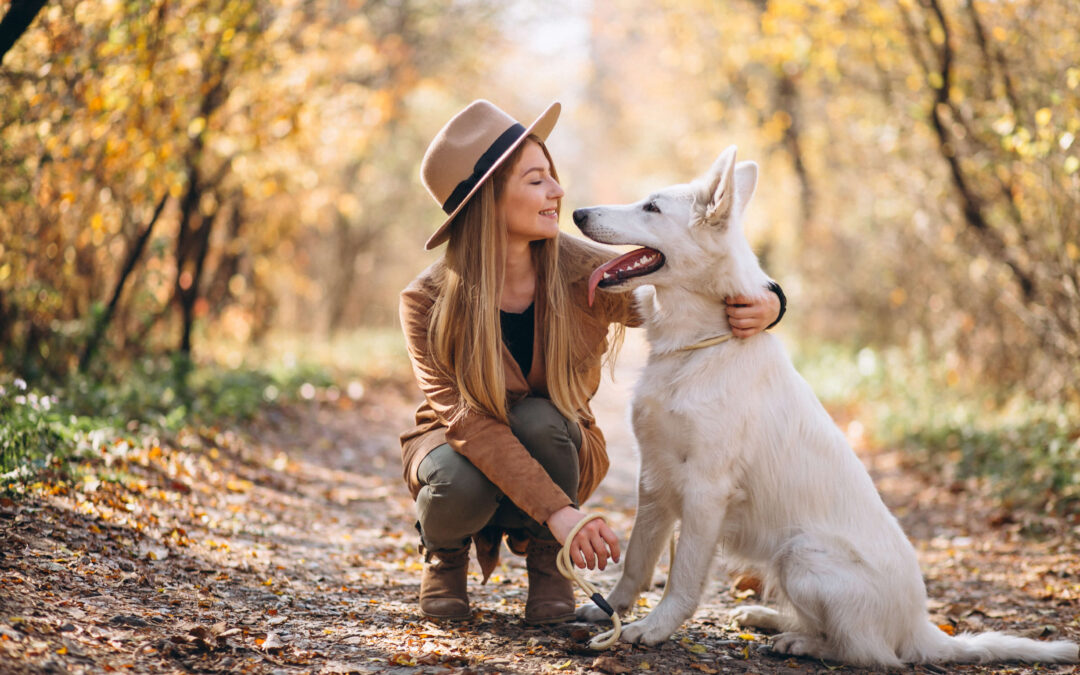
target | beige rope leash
[
  {"x": 719, "y": 339},
  {"x": 566, "y": 568}
]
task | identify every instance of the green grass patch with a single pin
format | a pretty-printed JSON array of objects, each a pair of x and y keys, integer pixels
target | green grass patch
[
  {"x": 947, "y": 421},
  {"x": 47, "y": 426}
]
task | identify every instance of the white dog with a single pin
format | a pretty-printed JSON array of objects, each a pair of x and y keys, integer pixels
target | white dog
[{"x": 736, "y": 446}]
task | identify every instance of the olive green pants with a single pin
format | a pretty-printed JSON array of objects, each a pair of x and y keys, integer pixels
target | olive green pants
[{"x": 457, "y": 500}]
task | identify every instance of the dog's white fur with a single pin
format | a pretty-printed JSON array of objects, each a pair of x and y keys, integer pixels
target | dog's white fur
[{"x": 736, "y": 446}]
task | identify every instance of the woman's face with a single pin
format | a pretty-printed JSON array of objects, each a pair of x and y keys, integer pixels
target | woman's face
[{"x": 529, "y": 204}]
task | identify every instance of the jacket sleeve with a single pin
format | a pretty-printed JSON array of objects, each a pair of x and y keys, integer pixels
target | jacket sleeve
[{"x": 485, "y": 441}]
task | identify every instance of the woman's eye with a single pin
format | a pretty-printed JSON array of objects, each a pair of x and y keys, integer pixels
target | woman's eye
[{"x": 651, "y": 207}]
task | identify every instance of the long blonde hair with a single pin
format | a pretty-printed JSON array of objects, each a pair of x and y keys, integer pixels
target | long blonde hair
[{"x": 465, "y": 331}]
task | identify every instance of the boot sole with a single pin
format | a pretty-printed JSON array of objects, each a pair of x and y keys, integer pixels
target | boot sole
[
  {"x": 447, "y": 617},
  {"x": 562, "y": 618}
]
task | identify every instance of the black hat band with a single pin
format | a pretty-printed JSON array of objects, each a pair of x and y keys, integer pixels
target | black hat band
[{"x": 483, "y": 165}]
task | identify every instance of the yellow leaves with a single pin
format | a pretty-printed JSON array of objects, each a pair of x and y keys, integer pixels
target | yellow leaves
[
  {"x": 1072, "y": 250},
  {"x": 1072, "y": 78},
  {"x": 748, "y": 637},
  {"x": 776, "y": 126},
  {"x": 645, "y": 665},
  {"x": 947, "y": 628},
  {"x": 196, "y": 127},
  {"x": 1004, "y": 125},
  {"x": 564, "y": 666},
  {"x": 897, "y": 297},
  {"x": 1043, "y": 116},
  {"x": 1071, "y": 165}
]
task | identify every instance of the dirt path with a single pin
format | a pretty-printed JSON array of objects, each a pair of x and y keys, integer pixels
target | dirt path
[{"x": 290, "y": 549}]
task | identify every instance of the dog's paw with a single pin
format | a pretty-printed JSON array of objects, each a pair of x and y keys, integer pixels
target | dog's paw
[
  {"x": 592, "y": 613},
  {"x": 799, "y": 644},
  {"x": 645, "y": 633},
  {"x": 756, "y": 616}
]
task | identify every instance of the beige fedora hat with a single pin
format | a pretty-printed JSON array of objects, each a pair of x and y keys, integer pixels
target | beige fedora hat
[{"x": 468, "y": 150}]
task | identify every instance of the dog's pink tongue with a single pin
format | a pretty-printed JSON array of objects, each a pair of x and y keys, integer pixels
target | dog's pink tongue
[
  {"x": 594, "y": 279},
  {"x": 598, "y": 274}
]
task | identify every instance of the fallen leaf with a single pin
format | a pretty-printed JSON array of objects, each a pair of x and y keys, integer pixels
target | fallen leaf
[
  {"x": 611, "y": 665},
  {"x": 239, "y": 485},
  {"x": 272, "y": 643},
  {"x": 746, "y": 584}
]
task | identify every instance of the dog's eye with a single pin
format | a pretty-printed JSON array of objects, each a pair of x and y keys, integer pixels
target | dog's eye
[{"x": 651, "y": 207}]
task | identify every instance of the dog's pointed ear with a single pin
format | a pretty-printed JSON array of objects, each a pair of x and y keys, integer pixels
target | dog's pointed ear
[
  {"x": 720, "y": 182},
  {"x": 746, "y": 174}
]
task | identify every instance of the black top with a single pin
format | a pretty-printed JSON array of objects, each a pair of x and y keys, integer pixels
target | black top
[{"x": 517, "y": 335}]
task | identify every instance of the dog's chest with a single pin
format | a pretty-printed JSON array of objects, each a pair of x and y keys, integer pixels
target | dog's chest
[{"x": 676, "y": 437}]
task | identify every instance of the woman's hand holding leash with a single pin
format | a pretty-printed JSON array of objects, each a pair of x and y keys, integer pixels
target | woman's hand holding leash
[
  {"x": 601, "y": 535},
  {"x": 592, "y": 545}
]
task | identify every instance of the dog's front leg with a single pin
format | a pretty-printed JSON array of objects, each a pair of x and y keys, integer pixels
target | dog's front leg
[
  {"x": 651, "y": 532},
  {"x": 698, "y": 537}
]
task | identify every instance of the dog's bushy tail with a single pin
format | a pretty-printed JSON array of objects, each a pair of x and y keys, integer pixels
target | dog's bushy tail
[{"x": 934, "y": 646}]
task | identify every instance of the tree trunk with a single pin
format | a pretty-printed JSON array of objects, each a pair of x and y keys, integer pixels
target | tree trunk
[
  {"x": 18, "y": 18},
  {"x": 193, "y": 239},
  {"x": 102, "y": 323}
]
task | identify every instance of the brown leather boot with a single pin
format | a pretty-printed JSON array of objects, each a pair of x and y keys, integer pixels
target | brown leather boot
[
  {"x": 443, "y": 593},
  {"x": 551, "y": 595}
]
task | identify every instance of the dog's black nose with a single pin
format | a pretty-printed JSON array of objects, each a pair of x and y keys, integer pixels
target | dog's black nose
[{"x": 580, "y": 215}]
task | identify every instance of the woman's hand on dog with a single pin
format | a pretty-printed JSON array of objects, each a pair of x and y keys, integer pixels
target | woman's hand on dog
[
  {"x": 593, "y": 544},
  {"x": 750, "y": 316}
]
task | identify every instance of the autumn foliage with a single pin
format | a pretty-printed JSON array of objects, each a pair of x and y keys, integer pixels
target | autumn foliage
[{"x": 181, "y": 175}]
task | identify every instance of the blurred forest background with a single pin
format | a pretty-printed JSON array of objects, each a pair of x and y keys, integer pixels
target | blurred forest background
[{"x": 227, "y": 184}]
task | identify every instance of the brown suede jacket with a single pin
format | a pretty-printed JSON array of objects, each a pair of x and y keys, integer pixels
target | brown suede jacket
[{"x": 488, "y": 443}]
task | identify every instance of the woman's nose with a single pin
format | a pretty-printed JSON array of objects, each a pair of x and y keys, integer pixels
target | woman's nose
[{"x": 556, "y": 191}]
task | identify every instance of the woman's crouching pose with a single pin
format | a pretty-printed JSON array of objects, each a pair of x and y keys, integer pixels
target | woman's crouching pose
[{"x": 507, "y": 352}]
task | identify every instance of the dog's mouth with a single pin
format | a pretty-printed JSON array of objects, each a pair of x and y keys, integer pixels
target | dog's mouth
[{"x": 636, "y": 263}]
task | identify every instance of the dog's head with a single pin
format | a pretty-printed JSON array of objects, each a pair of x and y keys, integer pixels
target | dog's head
[{"x": 685, "y": 231}]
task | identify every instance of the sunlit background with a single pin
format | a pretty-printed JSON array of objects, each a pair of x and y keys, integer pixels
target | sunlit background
[{"x": 918, "y": 193}]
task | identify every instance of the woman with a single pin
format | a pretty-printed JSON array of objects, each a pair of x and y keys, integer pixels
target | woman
[{"x": 507, "y": 353}]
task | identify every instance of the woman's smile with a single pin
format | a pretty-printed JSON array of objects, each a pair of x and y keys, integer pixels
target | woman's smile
[{"x": 529, "y": 203}]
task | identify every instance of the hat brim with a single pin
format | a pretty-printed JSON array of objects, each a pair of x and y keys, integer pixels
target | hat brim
[{"x": 541, "y": 127}]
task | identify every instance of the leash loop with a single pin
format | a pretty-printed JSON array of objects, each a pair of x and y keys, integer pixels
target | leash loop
[{"x": 566, "y": 568}]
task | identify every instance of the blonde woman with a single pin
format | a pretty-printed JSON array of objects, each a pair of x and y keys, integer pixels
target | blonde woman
[{"x": 507, "y": 353}]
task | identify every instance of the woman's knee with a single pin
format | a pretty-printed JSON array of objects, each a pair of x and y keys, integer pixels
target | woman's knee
[
  {"x": 550, "y": 438},
  {"x": 537, "y": 423},
  {"x": 450, "y": 477},
  {"x": 455, "y": 501}
]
